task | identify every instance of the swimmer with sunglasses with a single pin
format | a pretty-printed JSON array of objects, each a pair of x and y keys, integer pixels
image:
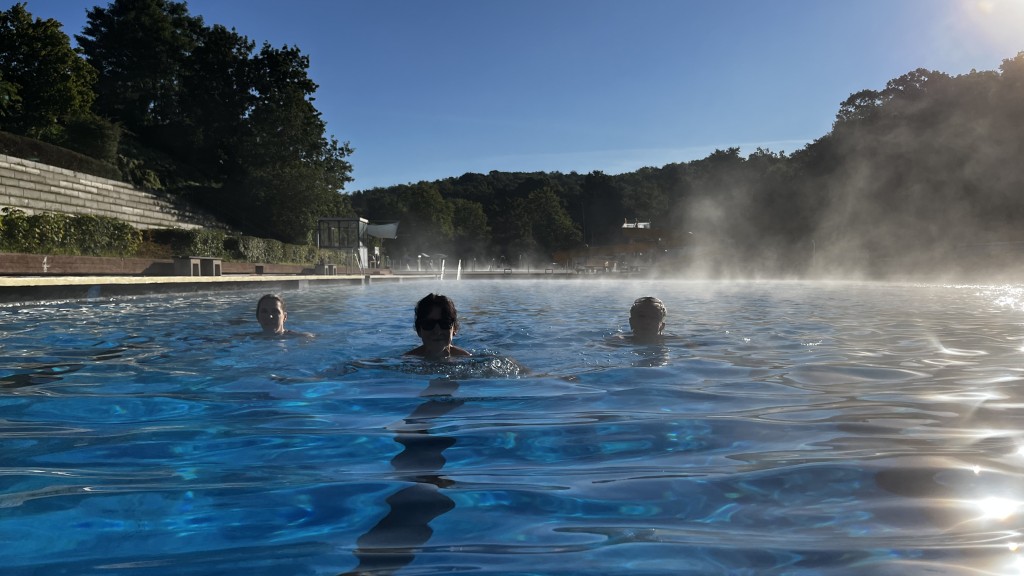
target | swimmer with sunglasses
[{"x": 437, "y": 322}]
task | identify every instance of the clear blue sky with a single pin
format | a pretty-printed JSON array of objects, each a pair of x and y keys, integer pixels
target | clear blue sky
[{"x": 425, "y": 90}]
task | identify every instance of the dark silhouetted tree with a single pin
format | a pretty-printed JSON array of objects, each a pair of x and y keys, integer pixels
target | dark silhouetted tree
[{"x": 46, "y": 82}]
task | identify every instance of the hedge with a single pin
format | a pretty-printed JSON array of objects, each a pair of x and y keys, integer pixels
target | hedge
[
  {"x": 83, "y": 235},
  {"x": 87, "y": 235},
  {"x": 220, "y": 244}
]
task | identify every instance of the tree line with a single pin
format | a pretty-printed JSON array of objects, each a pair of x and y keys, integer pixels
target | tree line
[
  {"x": 920, "y": 175},
  {"x": 176, "y": 105}
]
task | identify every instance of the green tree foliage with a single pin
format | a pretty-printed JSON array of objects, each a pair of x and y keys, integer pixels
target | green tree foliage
[
  {"x": 513, "y": 231},
  {"x": 551, "y": 226},
  {"x": 92, "y": 135},
  {"x": 44, "y": 82},
  {"x": 912, "y": 177},
  {"x": 908, "y": 170},
  {"x": 471, "y": 231},
  {"x": 600, "y": 207},
  {"x": 859, "y": 107},
  {"x": 84, "y": 235},
  {"x": 214, "y": 101},
  {"x": 139, "y": 49},
  {"x": 426, "y": 220},
  {"x": 9, "y": 99},
  {"x": 241, "y": 122},
  {"x": 287, "y": 171}
]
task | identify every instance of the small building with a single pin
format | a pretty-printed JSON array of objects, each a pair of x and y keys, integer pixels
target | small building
[{"x": 345, "y": 234}]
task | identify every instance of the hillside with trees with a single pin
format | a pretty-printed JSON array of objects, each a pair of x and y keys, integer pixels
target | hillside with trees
[
  {"x": 174, "y": 105},
  {"x": 920, "y": 176}
]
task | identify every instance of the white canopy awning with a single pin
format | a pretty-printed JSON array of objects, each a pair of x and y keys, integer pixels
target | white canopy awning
[{"x": 389, "y": 230}]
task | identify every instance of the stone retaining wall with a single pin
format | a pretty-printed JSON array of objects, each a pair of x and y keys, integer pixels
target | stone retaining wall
[
  {"x": 14, "y": 264},
  {"x": 35, "y": 187},
  {"x": 58, "y": 265}
]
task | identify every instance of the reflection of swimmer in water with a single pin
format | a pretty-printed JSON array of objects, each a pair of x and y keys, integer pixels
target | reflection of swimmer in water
[
  {"x": 437, "y": 322},
  {"x": 393, "y": 542},
  {"x": 271, "y": 314},
  {"x": 40, "y": 374},
  {"x": 647, "y": 319}
]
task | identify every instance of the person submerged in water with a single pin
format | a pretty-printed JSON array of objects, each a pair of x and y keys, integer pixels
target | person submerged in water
[
  {"x": 271, "y": 314},
  {"x": 437, "y": 323},
  {"x": 647, "y": 319}
]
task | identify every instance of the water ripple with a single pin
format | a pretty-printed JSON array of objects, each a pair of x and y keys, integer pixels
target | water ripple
[{"x": 785, "y": 428}]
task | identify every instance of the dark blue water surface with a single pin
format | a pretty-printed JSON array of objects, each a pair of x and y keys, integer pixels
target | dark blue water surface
[{"x": 786, "y": 428}]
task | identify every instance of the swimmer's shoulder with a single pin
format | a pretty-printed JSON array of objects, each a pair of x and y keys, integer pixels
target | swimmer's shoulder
[
  {"x": 420, "y": 351},
  {"x": 285, "y": 334}
]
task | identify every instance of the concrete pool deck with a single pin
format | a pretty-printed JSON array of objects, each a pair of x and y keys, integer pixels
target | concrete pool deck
[
  {"x": 24, "y": 289},
  {"x": 27, "y": 278}
]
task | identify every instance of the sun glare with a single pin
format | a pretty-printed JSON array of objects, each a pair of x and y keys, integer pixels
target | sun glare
[
  {"x": 996, "y": 23},
  {"x": 997, "y": 508}
]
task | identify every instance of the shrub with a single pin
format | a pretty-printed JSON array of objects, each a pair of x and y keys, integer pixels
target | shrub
[
  {"x": 51, "y": 233},
  {"x": 88, "y": 235},
  {"x": 39, "y": 151},
  {"x": 100, "y": 235},
  {"x": 254, "y": 249},
  {"x": 305, "y": 253},
  {"x": 93, "y": 136},
  {"x": 135, "y": 172},
  {"x": 124, "y": 237},
  {"x": 15, "y": 230},
  {"x": 201, "y": 242}
]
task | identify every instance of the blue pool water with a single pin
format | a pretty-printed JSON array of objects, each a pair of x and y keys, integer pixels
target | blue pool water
[{"x": 790, "y": 428}]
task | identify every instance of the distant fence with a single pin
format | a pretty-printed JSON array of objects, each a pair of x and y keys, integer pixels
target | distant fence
[{"x": 35, "y": 187}]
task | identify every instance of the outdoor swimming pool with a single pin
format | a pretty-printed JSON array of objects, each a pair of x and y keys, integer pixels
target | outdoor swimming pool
[{"x": 792, "y": 428}]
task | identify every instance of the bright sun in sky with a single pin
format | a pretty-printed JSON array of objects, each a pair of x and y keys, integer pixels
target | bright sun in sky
[{"x": 999, "y": 22}]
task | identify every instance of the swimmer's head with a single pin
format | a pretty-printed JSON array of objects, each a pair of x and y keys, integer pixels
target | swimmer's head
[
  {"x": 647, "y": 316},
  {"x": 271, "y": 313},
  {"x": 444, "y": 304}
]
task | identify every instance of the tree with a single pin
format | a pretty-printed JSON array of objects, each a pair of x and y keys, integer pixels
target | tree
[
  {"x": 139, "y": 48},
  {"x": 426, "y": 220},
  {"x": 283, "y": 160},
  {"x": 914, "y": 84},
  {"x": 214, "y": 100},
  {"x": 552, "y": 227},
  {"x": 9, "y": 99},
  {"x": 601, "y": 206},
  {"x": 45, "y": 81},
  {"x": 862, "y": 105},
  {"x": 1012, "y": 72},
  {"x": 471, "y": 232},
  {"x": 288, "y": 174}
]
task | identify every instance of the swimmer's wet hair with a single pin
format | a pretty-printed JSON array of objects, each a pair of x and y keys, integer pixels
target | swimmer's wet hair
[
  {"x": 650, "y": 301},
  {"x": 427, "y": 303},
  {"x": 270, "y": 297}
]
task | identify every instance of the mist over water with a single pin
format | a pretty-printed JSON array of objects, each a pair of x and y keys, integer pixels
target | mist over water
[{"x": 918, "y": 180}]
